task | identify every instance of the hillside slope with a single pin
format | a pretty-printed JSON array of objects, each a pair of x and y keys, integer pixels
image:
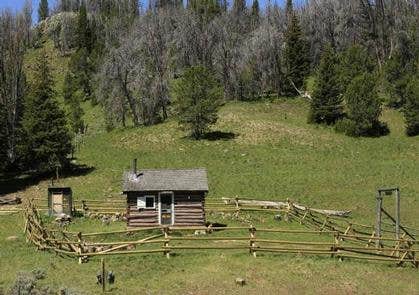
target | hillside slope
[{"x": 262, "y": 150}]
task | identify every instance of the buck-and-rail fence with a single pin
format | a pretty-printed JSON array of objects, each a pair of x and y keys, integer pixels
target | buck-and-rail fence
[{"x": 170, "y": 240}]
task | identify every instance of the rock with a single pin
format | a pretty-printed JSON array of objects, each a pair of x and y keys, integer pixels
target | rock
[
  {"x": 200, "y": 232},
  {"x": 131, "y": 247},
  {"x": 106, "y": 220},
  {"x": 240, "y": 281},
  {"x": 11, "y": 238}
]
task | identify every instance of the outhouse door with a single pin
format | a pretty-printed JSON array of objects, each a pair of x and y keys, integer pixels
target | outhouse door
[
  {"x": 57, "y": 203},
  {"x": 166, "y": 208}
]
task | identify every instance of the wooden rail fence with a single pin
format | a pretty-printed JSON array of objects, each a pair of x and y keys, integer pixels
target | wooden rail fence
[{"x": 167, "y": 240}]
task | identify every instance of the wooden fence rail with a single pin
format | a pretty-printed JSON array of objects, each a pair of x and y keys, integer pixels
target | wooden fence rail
[{"x": 76, "y": 245}]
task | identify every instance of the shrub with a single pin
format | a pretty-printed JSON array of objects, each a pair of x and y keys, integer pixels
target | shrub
[{"x": 24, "y": 284}]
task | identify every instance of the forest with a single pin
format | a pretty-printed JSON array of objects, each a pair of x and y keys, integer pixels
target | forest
[{"x": 142, "y": 65}]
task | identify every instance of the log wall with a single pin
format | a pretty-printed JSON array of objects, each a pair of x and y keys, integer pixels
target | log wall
[
  {"x": 141, "y": 217},
  {"x": 188, "y": 209}
]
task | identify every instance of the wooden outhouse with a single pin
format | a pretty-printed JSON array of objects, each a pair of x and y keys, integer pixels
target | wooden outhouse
[
  {"x": 165, "y": 196},
  {"x": 60, "y": 201}
]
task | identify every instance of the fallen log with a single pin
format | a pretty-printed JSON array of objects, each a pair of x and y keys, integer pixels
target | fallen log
[
  {"x": 10, "y": 201},
  {"x": 282, "y": 205}
]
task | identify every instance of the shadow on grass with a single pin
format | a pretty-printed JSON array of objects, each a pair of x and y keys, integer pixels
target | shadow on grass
[
  {"x": 14, "y": 182},
  {"x": 219, "y": 135}
]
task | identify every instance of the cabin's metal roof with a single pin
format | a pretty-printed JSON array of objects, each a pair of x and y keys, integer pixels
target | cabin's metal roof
[{"x": 166, "y": 180}]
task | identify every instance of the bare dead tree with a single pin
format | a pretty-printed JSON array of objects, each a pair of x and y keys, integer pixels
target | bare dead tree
[{"x": 13, "y": 35}]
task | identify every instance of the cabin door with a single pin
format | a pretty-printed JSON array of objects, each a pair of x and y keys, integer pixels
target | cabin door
[
  {"x": 57, "y": 204},
  {"x": 166, "y": 208}
]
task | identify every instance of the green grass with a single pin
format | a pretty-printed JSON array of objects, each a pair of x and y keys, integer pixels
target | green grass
[{"x": 274, "y": 155}]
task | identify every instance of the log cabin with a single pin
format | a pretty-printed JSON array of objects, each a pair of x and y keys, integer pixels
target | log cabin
[{"x": 165, "y": 196}]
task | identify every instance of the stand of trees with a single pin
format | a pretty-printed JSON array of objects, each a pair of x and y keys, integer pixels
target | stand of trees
[
  {"x": 33, "y": 132},
  {"x": 124, "y": 58}
]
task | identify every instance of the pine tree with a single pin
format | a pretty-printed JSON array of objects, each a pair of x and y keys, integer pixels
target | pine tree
[
  {"x": 81, "y": 71},
  {"x": 43, "y": 10},
  {"x": 84, "y": 35},
  {"x": 326, "y": 105},
  {"x": 254, "y": 15},
  {"x": 399, "y": 68},
  {"x": 364, "y": 108},
  {"x": 239, "y": 7},
  {"x": 296, "y": 55},
  {"x": 47, "y": 142},
  {"x": 72, "y": 99},
  {"x": 207, "y": 9},
  {"x": 411, "y": 108},
  {"x": 289, "y": 9},
  {"x": 198, "y": 97},
  {"x": 76, "y": 115},
  {"x": 354, "y": 61}
]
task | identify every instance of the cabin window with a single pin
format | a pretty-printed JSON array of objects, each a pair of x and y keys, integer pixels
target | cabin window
[{"x": 146, "y": 202}]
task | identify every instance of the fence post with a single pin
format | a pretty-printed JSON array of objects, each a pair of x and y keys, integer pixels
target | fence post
[
  {"x": 166, "y": 242},
  {"x": 103, "y": 275},
  {"x": 252, "y": 232},
  {"x": 79, "y": 246},
  {"x": 336, "y": 245},
  {"x": 83, "y": 207},
  {"x": 236, "y": 200}
]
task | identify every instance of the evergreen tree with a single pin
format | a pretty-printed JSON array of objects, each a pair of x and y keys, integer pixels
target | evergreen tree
[
  {"x": 326, "y": 105},
  {"x": 364, "y": 108},
  {"x": 84, "y": 35},
  {"x": 43, "y": 10},
  {"x": 296, "y": 55},
  {"x": 411, "y": 108},
  {"x": 354, "y": 61},
  {"x": 254, "y": 15},
  {"x": 72, "y": 99},
  {"x": 82, "y": 70},
  {"x": 399, "y": 68},
  {"x": 47, "y": 142},
  {"x": 207, "y": 9},
  {"x": 76, "y": 115},
  {"x": 68, "y": 87},
  {"x": 289, "y": 10},
  {"x": 198, "y": 97},
  {"x": 239, "y": 7}
]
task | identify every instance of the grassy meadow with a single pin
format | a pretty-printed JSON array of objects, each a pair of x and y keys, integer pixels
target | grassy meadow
[{"x": 262, "y": 150}]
